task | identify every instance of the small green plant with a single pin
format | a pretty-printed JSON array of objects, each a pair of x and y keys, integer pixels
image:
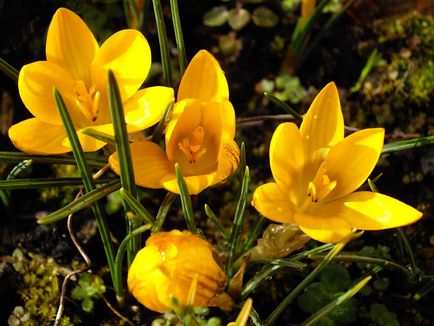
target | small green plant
[{"x": 89, "y": 288}]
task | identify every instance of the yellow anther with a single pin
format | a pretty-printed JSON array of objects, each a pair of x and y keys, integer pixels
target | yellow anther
[
  {"x": 193, "y": 150},
  {"x": 321, "y": 185},
  {"x": 87, "y": 101}
]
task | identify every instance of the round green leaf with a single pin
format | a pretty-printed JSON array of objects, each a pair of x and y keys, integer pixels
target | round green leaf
[
  {"x": 217, "y": 16},
  {"x": 264, "y": 17},
  {"x": 238, "y": 18}
]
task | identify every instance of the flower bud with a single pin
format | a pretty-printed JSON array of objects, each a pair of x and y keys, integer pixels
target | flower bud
[{"x": 168, "y": 265}]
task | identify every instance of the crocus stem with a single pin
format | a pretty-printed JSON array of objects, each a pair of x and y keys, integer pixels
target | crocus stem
[
  {"x": 300, "y": 287},
  {"x": 162, "y": 40},
  {"x": 89, "y": 185},
  {"x": 182, "y": 57}
]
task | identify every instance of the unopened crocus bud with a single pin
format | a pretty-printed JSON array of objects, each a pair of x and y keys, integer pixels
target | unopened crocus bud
[{"x": 167, "y": 266}]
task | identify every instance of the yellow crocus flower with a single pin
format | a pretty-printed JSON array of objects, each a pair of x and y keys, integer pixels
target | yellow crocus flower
[
  {"x": 199, "y": 136},
  {"x": 78, "y": 68},
  {"x": 317, "y": 172},
  {"x": 167, "y": 266}
]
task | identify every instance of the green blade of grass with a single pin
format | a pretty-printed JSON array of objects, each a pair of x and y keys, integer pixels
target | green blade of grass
[
  {"x": 8, "y": 70},
  {"x": 406, "y": 144},
  {"x": 162, "y": 40},
  {"x": 163, "y": 210},
  {"x": 45, "y": 182},
  {"x": 124, "y": 157},
  {"x": 89, "y": 184},
  {"x": 137, "y": 207},
  {"x": 215, "y": 220},
  {"x": 182, "y": 57},
  {"x": 84, "y": 201},
  {"x": 106, "y": 138},
  {"x": 238, "y": 223},
  {"x": 185, "y": 201},
  {"x": 283, "y": 106},
  {"x": 48, "y": 159},
  {"x": 320, "y": 314},
  {"x": 157, "y": 135}
]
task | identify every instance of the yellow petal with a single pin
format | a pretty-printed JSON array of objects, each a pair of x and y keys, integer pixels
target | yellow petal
[
  {"x": 35, "y": 84},
  {"x": 128, "y": 55},
  {"x": 36, "y": 137},
  {"x": 372, "y": 211},
  {"x": 71, "y": 44},
  {"x": 146, "y": 107},
  {"x": 176, "y": 113},
  {"x": 323, "y": 228},
  {"x": 351, "y": 161},
  {"x": 150, "y": 164},
  {"x": 227, "y": 114},
  {"x": 286, "y": 157},
  {"x": 273, "y": 203},
  {"x": 323, "y": 125},
  {"x": 195, "y": 183},
  {"x": 229, "y": 158},
  {"x": 203, "y": 79},
  {"x": 88, "y": 143}
]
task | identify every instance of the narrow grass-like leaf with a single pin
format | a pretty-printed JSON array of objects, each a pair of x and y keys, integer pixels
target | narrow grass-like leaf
[
  {"x": 45, "y": 182},
  {"x": 163, "y": 210},
  {"x": 157, "y": 135},
  {"x": 306, "y": 281},
  {"x": 162, "y": 40},
  {"x": 185, "y": 201},
  {"x": 49, "y": 159},
  {"x": 82, "y": 202},
  {"x": 373, "y": 59},
  {"x": 242, "y": 166},
  {"x": 255, "y": 281},
  {"x": 320, "y": 314},
  {"x": 215, "y": 220},
  {"x": 124, "y": 156},
  {"x": 106, "y": 138},
  {"x": 182, "y": 57},
  {"x": 254, "y": 234},
  {"x": 137, "y": 207},
  {"x": 403, "y": 145},
  {"x": 283, "y": 106},
  {"x": 131, "y": 10},
  {"x": 8, "y": 70},
  {"x": 88, "y": 182},
  {"x": 120, "y": 257},
  {"x": 238, "y": 223}
]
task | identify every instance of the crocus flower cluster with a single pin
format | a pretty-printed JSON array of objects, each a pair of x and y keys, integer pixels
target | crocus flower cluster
[
  {"x": 317, "y": 172},
  {"x": 166, "y": 267},
  {"x": 78, "y": 68}
]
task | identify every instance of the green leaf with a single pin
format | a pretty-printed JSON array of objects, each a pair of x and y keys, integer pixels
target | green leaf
[
  {"x": 313, "y": 298},
  {"x": 185, "y": 201},
  {"x": 238, "y": 18},
  {"x": 335, "y": 278},
  {"x": 217, "y": 16},
  {"x": 264, "y": 17},
  {"x": 407, "y": 144},
  {"x": 382, "y": 316},
  {"x": 44, "y": 182}
]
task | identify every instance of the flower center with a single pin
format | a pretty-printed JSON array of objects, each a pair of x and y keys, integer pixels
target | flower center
[
  {"x": 87, "y": 100},
  {"x": 193, "y": 147},
  {"x": 319, "y": 187}
]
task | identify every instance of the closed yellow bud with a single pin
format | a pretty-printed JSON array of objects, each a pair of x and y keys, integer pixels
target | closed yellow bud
[{"x": 168, "y": 265}]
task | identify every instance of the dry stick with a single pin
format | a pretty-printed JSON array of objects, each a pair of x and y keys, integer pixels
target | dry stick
[{"x": 117, "y": 313}]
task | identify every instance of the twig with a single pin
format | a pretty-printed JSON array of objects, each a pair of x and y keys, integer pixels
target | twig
[{"x": 117, "y": 313}]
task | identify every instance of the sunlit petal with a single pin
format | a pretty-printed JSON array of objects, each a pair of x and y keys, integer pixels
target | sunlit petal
[
  {"x": 128, "y": 55},
  {"x": 88, "y": 143},
  {"x": 227, "y": 114},
  {"x": 36, "y": 137},
  {"x": 372, "y": 211},
  {"x": 323, "y": 125},
  {"x": 147, "y": 106},
  {"x": 286, "y": 156},
  {"x": 270, "y": 201},
  {"x": 351, "y": 161},
  {"x": 228, "y": 160},
  {"x": 150, "y": 164},
  {"x": 203, "y": 79},
  {"x": 195, "y": 183},
  {"x": 35, "y": 84},
  {"x": 71, "y": 44},
  {"x": 323, "y": 227}
]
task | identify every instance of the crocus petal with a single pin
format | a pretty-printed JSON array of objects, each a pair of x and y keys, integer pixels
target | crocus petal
[
  {"x": 128, "y": 55},
  {"x": 150, "y": 164},
  {"x": 273, "y": 203},
  {"x": 203, "y": 79},
  {"x": 71, "y": 44},
  {"x": 227, "y": 114},
  {"x": 286, "y": 157},
  {"x": 35, "y": 84},
  {"x": 147, "y": 106},
  {"x": 352, "y": 160},
  {"x": 195, "y": 183},
  {"x": 36, "y": 137},
  {"x": 88, "y": 143},
  {"x": 372, "y": 211},
  {"x": 323, "y": 125},
  {"x": 229, "y": 158},
  {"x": 324, "y": 228}
]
